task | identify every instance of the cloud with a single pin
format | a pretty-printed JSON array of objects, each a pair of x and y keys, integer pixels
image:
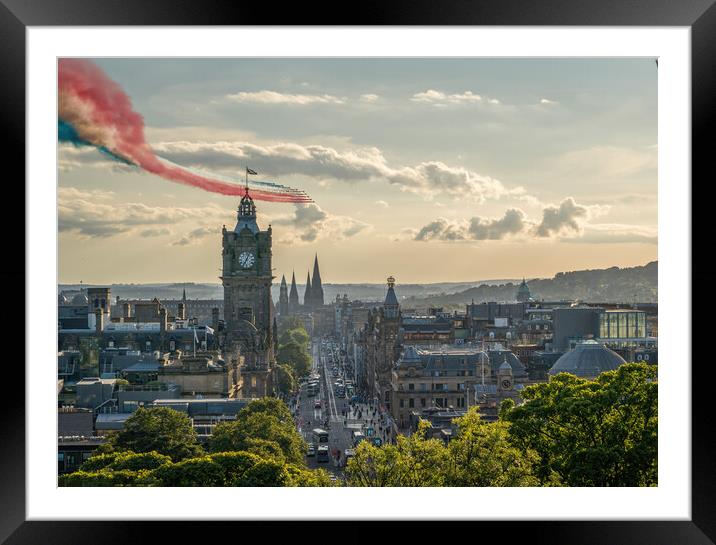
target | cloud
[
  {"x": 370, "y": 98},
  {"x": 70, "y": 157},
  {"x": 513, "y": 222},
  {"x": 155, "y": 232},
  {"x": 382, "y": 204},
  {"x": 195, "y": 236},
  {"x": 441, "y": 99},
  {"x": 91, "y": 214},
  {"x": 309, "y": 223},
  {"x": 272, "y": 97},
  {"x": 426, "y": 179},
  {"x": 547, "y": 102},
  {"x": 567, "y": 217}
]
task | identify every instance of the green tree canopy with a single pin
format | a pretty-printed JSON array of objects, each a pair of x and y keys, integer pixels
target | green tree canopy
[
  {"x": 159, "y": 429},
  {"x": 481, "y": 455},
  {"x": 264, "y": 426},
  {"x": 285, "y": 379},
  {"x": 592, "y": 433},
  {"x": 296, "y": 356}
]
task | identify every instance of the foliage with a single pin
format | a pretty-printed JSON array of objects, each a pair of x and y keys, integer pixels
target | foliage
[
  {"x": 220, "y": 469},
  {"x": 265, "y": 426},
  {"x": 125, "y": 460},
  {"x": 413, "y": 461},
  {"x": 106, "y": 477},
  {"x": 592, "y": 433},
  {"x": 285, "y": 379},
  {"x": 159, "y": 429},
  {"x": 293, "y": 347},
  {"x": 481, "y": 455},
  {"x": 295, "y": 356}
]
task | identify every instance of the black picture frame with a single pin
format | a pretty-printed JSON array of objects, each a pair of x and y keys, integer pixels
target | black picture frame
[{"x": 699, "y": 15}]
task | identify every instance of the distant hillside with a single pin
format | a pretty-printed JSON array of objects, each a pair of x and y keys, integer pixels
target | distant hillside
[{"x": 612, "y": 285}]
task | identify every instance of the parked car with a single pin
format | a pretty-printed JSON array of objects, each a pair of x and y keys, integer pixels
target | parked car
[
  {"x": 311, "y": 451},
  {"x": 317, "y": 404}
]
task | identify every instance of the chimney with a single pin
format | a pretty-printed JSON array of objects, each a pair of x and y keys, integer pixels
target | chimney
[
  {"x": 126, "y": 310},
  {"x": 181, "y": 311},
  {"x": 98, "y": 321},
  {"x": 215, "y": 318},
  {"x": 162, "y": 319}
]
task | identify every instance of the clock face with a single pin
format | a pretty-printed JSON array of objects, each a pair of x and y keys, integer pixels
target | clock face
[
  {"x": 506, "y": 384},
  {"x": 246, "y": 259}
]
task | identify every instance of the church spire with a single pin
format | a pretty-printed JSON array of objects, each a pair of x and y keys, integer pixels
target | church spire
[
  {"x": 293, "y": 303},
  {"x": 316, "y": 286},
  {"x": 308, "y": 295},
  {"x": 283, "y": 297}
]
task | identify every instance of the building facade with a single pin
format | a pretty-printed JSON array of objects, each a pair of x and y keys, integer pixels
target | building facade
[{"x": 248, "y": 307}]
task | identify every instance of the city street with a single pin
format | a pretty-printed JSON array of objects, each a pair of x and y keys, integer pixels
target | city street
[{"x": 335, "y": 415}]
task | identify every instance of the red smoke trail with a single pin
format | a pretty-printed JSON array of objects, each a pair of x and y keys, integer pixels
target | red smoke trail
[{"x": 102, "y": 115}]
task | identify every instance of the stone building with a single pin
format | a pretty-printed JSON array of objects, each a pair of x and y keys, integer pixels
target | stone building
[
  {"x": 248, "y": 307},
  {"x": 424, "y": 378}
]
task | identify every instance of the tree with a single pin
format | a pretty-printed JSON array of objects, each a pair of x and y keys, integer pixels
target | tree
[
  {"x": 265, "y": 426},
  {"x": 295, "y": 356},
  {"x": 242, "y": 434},
  {"x": 159, "y": 429},
  {"x": 285, "y": 379},
  {"x": 592, "y": 433},
  {"x": 481, "y": 455},
  {"x": 413, "y": 461}
]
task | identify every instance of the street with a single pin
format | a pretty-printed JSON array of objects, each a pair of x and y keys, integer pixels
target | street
[{"x": 336, "y": 416}]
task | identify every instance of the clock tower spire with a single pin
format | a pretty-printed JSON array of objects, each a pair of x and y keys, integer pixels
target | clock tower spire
[{"x": 247, "y": 278}]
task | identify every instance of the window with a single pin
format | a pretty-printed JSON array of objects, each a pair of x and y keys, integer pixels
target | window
[
  {"x": 411, "y": 387},
  {"x": 461, "y": 386},
  {"x": 423, "y": 387},
  {"x": 411, "y": 403},
  {"x": 402, "y": 403},
  {"x": 461, "y": 402},
  {"x": 423, "y": 403}
]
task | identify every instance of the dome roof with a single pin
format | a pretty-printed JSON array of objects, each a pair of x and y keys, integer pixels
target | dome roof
[
  {"x": 588, "y": 359},
  {"x": 499, "y": 356},
  {"x": 80, "y": 299}
]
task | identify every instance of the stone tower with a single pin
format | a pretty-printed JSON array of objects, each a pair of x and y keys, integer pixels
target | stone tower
[
  {"x": 316, "y": 286},
  {"x": 293, "y": 303},
  {"x": 247, "y": 279},
  {"x": 308, "y": 295},
  {"x": 283, "y": 297}
]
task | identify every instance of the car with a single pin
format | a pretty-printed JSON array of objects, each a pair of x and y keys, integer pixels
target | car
[
  {"x": 317, "y": 404},
  {"x": 311, "y": 451}
]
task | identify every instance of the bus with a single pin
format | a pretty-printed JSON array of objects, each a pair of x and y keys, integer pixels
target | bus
[
  {"x": 322, "y": 454},
  {"x": 312, "y": 389},
  {"x": 357, "y": 438},
  {"x": 320, "y": 436}
]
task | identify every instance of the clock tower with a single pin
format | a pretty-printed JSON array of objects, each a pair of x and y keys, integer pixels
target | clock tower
[{"x": 247, "y": 277}]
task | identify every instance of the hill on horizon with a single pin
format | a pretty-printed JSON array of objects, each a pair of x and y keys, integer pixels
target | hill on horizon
[{"x": 611, "y": 285}]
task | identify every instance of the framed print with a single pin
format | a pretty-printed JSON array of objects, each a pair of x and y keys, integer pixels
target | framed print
[{"x": 480, "y": 198}]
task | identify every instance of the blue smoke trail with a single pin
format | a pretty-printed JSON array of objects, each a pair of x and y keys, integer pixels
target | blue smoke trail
[{"x": 67, "y": 133}]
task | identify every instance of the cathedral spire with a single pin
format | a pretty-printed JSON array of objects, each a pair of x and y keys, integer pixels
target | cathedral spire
[
  {"x": 316, "y": 286},
  {"x": 283, "y": 297},
  {"x": 308, "y": 295},
  {"x": 293, "y": 303}
]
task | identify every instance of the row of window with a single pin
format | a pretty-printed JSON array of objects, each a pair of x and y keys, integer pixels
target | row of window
[
  {"x": 438, "y": 386},
  {"x": 441, "y": 402}
]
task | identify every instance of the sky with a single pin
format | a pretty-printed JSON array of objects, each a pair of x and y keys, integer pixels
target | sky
[{"x": 430, "y": 170}]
